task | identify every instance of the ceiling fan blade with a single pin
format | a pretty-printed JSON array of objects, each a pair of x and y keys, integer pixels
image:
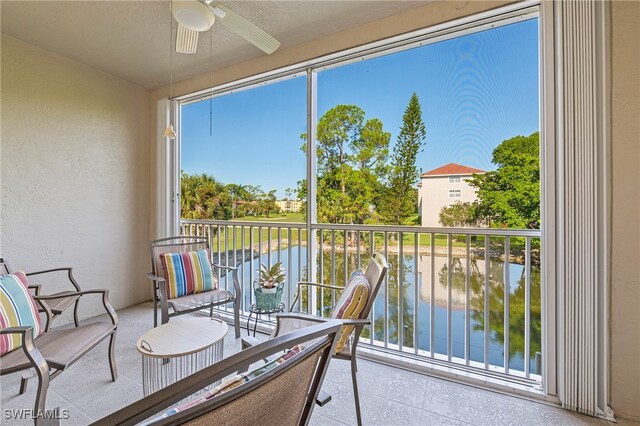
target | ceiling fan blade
[
  {"x": 245, "y": 29},
  {"x": 186, "y": 40}
]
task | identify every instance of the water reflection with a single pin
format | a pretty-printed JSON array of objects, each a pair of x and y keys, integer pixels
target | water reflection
[{"x": 396, "y": 304}]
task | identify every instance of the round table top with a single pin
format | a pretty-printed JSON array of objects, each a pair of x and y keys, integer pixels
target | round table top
[
  {"x": 182, "y": 336},
  {"x": 254, "y": 308}
]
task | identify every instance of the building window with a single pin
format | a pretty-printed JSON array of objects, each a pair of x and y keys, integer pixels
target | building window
[
  {"x": 454, "y": 179},
  {"x": 454, "y": 193}
]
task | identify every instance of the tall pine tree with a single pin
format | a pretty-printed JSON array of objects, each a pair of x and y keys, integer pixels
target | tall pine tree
[{"x": 400, "y": 196}]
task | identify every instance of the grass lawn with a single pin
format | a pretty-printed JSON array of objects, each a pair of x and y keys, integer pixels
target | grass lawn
[
  {"x": 408, "y": 238},
  {"x": 266, "y": 234},
  {"x": 280, "y": 217}
]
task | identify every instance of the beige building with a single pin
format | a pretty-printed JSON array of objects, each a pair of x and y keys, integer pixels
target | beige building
[
  {"x": 442, "y": 187},
  {"x": 289, "y": 206}
]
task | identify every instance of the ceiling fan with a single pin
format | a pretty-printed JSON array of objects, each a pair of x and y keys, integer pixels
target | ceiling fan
[{"x": 195, "y": 16}]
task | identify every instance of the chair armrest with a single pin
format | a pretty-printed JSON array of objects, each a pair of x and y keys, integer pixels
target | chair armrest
[
  {"x": 17, "y": 330},
  {"x": 105, "y": 301},
  {"x": 36, "y": 288},
  {"x": 284, "y": 322},
  {"x": 249, "y": 341},
  {"x": 309, "y": 283},
  {"x": 31, "y": 351},
  {"x": 333, "y": 287},
  {"x": 227, "y": 268},
  {"x": 69, "y": 273},
  {"x": 155, "y": 278},
  {"x": 237, "y": 290},
  {"x": 362, "y": 322},
  {"x": 302, "y": 316}
]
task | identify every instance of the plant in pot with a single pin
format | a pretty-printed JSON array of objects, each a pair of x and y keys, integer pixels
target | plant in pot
[{"x": 268, "y": 288}]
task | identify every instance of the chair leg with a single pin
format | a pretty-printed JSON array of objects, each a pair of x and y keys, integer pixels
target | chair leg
[
  {"x": 41, "y": 396},
  {"x": 24, "y": 381},
  {"x": 112, "y": 358},
  {"x": 75, "y": 314},
  {"x": 236, "y": 317},
  {"x": 155, "y": 311},
  {"x": 354, "y": 369}
]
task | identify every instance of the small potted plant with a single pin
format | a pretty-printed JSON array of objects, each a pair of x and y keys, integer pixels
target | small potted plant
[{"x": 268, "y": 288}]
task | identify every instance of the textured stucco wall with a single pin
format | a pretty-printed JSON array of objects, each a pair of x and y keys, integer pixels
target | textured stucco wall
[
  {"x": 75, "y": 173},
  {"x": 625, "y": 244}
]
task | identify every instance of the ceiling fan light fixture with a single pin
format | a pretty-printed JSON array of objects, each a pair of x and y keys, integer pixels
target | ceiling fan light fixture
[{"x": 193, "y": 15}]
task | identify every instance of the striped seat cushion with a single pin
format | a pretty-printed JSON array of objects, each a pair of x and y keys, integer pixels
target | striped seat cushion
[
  {"x": 187, "y": 273},
  {"x": 351, "y": 304},
  {"x": 229, "y": 384},
  {"x": 17, "y": 309}
]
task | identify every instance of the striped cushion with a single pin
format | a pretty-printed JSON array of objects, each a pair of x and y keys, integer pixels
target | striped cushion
[
  {"x": 17, "y": 309},
  {"x": 187, "y": 273},
  {"x": 228, "y": 385},
  {"x": 351, "y": 304}
]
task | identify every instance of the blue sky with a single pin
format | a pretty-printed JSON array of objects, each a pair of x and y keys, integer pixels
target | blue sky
[{"x": 475, "y": 92}]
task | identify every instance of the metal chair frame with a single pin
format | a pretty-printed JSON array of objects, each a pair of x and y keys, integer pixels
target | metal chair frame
[
  {"x": 379, "y": 261},
  {"x": 160, "y": 290}
]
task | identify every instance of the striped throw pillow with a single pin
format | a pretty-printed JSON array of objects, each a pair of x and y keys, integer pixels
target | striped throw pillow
[
  {"x": 187, "y": 273},
  {"x": 351, "y": 304},
  {"x": 227, "y": 385},
  {"x": 17, "y": 309}
]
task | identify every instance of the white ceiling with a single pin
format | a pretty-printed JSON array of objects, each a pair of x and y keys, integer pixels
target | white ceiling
[{"x": 130, "y": 39}]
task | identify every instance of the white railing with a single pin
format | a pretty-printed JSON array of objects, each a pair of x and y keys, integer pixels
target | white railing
[{"x": 468, "y": 297}]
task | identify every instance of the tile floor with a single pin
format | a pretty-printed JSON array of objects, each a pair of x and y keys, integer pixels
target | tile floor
[{"x": 389, "y": 396}]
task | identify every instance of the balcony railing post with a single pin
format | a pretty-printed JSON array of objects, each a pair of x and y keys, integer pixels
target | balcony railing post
[
  {"x": 527, "y": 307},
  {"x": 487, "y": 273},
  {"x": 400, "y": 291},
  {"x": 386, "y": 293},
  {"x": 416, "y": 288},
  {"x": 251, "y": 266},
  {"x": 449, "y": 283},
  {"x": 467, "y": 310},
  {"x": 432, "y": 301},
  {"x": 507, "y": 294}
]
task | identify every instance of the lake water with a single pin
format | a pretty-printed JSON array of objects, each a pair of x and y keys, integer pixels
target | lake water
[{"x": 390, "y": 295}]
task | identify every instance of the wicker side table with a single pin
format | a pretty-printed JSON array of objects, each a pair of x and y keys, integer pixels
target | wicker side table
[{"x": 179, "y": 348}]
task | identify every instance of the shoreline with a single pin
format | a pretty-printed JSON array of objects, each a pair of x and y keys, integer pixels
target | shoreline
[{"x": 458, "y": 252}]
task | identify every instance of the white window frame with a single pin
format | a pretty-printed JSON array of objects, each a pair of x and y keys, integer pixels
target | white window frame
[
  {"x": 455, "y": 193},
  {"x": 551, "y": 197},
  {"x": 455, "y": 179}
]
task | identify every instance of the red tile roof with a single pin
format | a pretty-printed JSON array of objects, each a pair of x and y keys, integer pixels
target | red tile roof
[{"x": 452, "y": 169}]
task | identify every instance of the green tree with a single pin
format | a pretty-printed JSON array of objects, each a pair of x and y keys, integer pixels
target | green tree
[
  {"x": 351, "y": 159},
  {"x": 239, "y": 195},
  {"x": 267, "y": 203},
  {"x": 509, "y": 197},
  {"x": 400, "y": 196},
  {"x": 203, "y": 197},
  {"x": 459, "y": 214}
]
